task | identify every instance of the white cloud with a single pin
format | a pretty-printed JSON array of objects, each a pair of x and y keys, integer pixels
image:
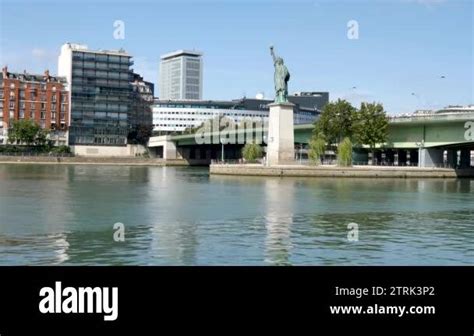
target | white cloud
[{"x": 39, "y": 53}]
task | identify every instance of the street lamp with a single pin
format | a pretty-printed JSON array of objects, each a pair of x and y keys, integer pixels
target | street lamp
[
  {"x": 265, "y": 158},
  {"x": 222, "y": 149},
  {"x": 420, "y": 146},
  {"x": 301, "y": 154},
  {"x": 418, "y": 98}
]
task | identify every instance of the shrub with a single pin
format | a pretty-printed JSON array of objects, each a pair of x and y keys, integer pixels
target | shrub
[
  {"x": 251, "y": 152},
  {"x": 344, "y": 153},
  {"x": 317, "y": 146},
  {"x": 61, "y": 150}
]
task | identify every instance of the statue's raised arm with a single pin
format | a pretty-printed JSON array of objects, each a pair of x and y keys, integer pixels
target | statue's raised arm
[
  {"x": 273, "y": 54},
  {"x": 282, "y": 76}
]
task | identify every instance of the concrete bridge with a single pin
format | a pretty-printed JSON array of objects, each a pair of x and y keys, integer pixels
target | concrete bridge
[{"x": 436, "y": 139}]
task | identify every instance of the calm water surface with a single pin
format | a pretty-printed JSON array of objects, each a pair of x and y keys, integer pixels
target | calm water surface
[{"x": 182, "y": 216}]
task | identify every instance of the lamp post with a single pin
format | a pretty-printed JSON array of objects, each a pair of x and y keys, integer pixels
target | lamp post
[
  {"x": 301, "y": 154},
  {"x": 265, "y": 158},
  {"x": 417, "y": 98},
  {"x": 222, "y": 150},
  {"x": 420, "y": 146}
]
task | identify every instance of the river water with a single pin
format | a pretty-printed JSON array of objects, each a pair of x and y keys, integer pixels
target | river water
[{"x": 59, "y": 214}]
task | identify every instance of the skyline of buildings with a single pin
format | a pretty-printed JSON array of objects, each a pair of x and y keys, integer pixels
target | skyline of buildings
[{"x": 105, "y": 101}]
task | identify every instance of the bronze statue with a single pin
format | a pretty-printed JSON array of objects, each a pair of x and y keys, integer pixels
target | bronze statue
[{"x": 282, "y": 76}]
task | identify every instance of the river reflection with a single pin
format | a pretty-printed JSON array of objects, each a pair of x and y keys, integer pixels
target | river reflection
[
  {"x": 53, "y": 215},
  {"x": 278, "y": 220}
]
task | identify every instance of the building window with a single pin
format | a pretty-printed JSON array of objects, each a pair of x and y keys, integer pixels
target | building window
[
  {"x": 12, "y": 105},
  {"x": 43, "y": 115},
  {"x": 53, "y": 98},
  {"x": 43, "y": 106},
  {"x": 53, "y": 106},
  {"x": 22, "y": 114}
]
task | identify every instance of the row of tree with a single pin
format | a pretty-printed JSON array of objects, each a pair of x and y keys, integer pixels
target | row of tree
[
  {"x": 27, "y": 132},
  {"x": 342, "y": 126},
  {"x": 30, "y": 133}
]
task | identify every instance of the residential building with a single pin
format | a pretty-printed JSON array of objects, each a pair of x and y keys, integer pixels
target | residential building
[
  {"x": 181, "y": 75},
  {"x": 42, "y": 98}
]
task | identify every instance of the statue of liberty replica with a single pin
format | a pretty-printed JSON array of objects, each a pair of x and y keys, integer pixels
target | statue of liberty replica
[
  {"x": 281, "y": 144},
  {"x": 282, "y": 76}
]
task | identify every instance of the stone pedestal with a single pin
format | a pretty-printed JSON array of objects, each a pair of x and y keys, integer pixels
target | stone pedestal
[{"x": 280, "y": 141}]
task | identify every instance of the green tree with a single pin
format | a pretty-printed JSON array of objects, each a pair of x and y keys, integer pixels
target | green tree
[
  {"x": 41, "y": 137},
  {"x": 344, "y": 153},
  {"x": 27, "y": 132},
  {"x": 140, "y": 134},
  {"x": 144, "y": 133},
  {"x": 336, "y": 121},
  {"x": 251, "y": 152},
  {"x": 371, "y": 125},
  {"x": 317, "y": 146}
]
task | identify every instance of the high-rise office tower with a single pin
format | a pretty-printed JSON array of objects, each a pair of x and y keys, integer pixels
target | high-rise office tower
[
  {"x": 181, "y": 75},
  {"x": 99, "y": 83}
]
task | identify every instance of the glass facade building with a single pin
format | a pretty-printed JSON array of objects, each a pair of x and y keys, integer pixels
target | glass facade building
[{"x": 101, "y": 91}]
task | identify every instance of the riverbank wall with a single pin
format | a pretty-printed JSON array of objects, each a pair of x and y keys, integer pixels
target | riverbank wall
[
  {"x": 76, "y": 160},
  {"x": 334, "y": 171}
]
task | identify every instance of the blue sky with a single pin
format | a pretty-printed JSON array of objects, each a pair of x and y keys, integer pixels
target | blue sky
[{"x": 404, "y": 46}]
